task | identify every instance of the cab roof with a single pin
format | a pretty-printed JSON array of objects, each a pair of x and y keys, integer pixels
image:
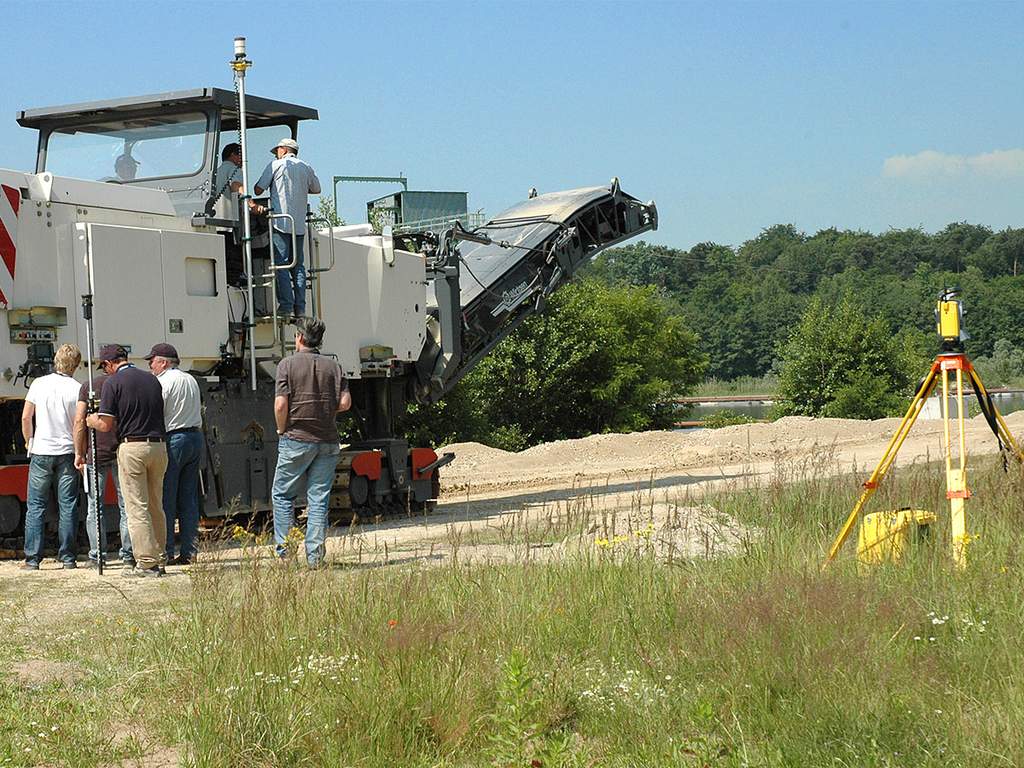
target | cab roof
[{"x": 258, "y": 109}]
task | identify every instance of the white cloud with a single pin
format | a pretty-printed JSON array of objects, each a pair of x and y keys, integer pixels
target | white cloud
[{"x": 929, "y": 164}]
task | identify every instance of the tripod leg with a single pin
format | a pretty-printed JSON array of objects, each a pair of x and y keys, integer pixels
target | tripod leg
[
  {"x": 1003, "y": 430},
  {"x": 956, "y": 478},
  {"x": 885, "y": 463}
]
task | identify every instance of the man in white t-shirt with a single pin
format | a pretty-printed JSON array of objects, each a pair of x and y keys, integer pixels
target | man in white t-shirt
[
  {"x": 47, "y": 422},
  {"x": 183, "y": 420}
]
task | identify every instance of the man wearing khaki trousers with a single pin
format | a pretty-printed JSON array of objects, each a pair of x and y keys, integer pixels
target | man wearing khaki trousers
[{"x": 132, "y": 404}]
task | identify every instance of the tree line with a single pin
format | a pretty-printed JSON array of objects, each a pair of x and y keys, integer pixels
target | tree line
[
  {"x": 646, "y": 323},
  {"x": 743, "y": 302}
]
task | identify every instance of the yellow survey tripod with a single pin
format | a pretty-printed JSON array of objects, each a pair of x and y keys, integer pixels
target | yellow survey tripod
[{"x": 951, "y": 358}]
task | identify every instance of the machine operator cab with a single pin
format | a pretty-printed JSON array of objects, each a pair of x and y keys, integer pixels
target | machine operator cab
[{"x": 168, "y": 141}]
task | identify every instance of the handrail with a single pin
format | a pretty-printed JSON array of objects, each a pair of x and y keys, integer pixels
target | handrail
[
  {"x": 330, "y": 230},
  {"x": 274, "y": 268},
  {"x": 313, "y": 271}
]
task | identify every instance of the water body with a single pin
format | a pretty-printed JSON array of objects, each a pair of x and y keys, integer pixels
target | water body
[{"x": 1006, "y": 403}]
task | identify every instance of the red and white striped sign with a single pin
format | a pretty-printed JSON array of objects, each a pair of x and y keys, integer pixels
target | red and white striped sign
[{"x": 10, "y": 201}]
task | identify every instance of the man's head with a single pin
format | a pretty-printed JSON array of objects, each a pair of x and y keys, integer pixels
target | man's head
[
  {"x": 112, "y": 356},
  {"x": 67, "y": 359},
  {"x": 284, "y": 147},
  {"x": 161, "y": 357},
  {"x": 126, "y": 167},
  {"x": 309, "y": 333},
  {"x": 232, "y": 152}
]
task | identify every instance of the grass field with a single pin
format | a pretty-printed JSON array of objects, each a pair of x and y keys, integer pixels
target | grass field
[{"x": 610, "y": 657}]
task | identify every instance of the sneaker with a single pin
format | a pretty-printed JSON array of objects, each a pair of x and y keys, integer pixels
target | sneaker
[
  {"x": 70, "y": 565},
  {"x": 27, "y": 566},
  {"x": 128, "y": 562},
  {"x": 143, "y": 573},
  {"x": 180, "y": 560}
]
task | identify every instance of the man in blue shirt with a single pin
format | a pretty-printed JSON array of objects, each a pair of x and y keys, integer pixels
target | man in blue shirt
[{"x": 290, "y": 182}]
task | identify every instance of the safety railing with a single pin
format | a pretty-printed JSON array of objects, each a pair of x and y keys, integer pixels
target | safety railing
[
  {"x": 271, "y": 278},
  {"x": 440, "y": 223},
  {"x": 313, "y": 273}
]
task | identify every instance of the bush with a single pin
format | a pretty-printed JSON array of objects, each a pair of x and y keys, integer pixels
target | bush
[
  {"x": 726, "y": 418},
  {"x": 842, "y": 364},
  {"x": 1004, "y": 366},
  {"x": 600, "y": 358}
]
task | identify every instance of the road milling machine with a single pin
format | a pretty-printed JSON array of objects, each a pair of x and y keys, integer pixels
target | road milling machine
[{"x": 122, "y": 207}]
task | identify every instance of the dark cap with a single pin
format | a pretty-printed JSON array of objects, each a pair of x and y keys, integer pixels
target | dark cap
[
  {"x": 162, "y": 350},
  {"x": 111, "y": 352}
]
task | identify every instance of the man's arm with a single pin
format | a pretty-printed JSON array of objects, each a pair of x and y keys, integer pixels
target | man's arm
[
  {"x": 345, "y": 401},
  {"x": 314, "y": 182},
  {"x": 101, "y": 422},
  {"x": 27, "y": 412},
  {"x": 263, "y": 183},
  {"x": 281, "y": 413},
  {"x": 79, "y": 434}
]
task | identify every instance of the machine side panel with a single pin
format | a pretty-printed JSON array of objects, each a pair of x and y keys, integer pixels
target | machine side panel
[
  {"x": 128, "y": 294},
  {"x": 367, "y": 301},
  {"x": 194, "y": 294}
]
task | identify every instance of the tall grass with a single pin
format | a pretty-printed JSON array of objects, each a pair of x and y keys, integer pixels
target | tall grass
[
  {"x": 608, "y": 657},
  {"x": 743, "y": 385}
]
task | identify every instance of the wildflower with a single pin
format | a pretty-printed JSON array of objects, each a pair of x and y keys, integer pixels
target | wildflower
[
  {"x": 392, "y": 623},
  {"x": 917, "y": 637}
]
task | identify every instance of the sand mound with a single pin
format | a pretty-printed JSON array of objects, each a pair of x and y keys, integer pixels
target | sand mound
[{"x": 613, "y": 457}]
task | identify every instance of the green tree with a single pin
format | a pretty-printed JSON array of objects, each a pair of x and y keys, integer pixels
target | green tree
[
  {"x": 1004, "y": 366},
  {"x": 325, "y": 210},
  {"x": 600, "y": 358},
  {"x": 842, "y": 362}
]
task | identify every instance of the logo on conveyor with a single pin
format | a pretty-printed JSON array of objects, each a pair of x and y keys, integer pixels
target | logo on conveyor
[
  {"x": 10, "y": 200},
  {"x": 511, "y": 298}
]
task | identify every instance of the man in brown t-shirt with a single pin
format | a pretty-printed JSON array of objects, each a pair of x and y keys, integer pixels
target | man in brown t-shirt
[{"x": 310, "y": 391}]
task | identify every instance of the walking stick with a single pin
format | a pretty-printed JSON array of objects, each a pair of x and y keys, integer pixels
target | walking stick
[{"x": 92, "y": 468}]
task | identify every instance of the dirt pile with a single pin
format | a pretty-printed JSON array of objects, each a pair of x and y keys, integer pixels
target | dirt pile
[{"x": 613, "y": 457}]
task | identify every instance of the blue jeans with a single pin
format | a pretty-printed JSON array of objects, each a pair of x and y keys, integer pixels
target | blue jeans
[
  {"x": 291, "y": 283},
  {"x": 181, "y": 491},
  {"x": 314, "y": 463},
  {"x": 45, "y": 472},
  {"x": 90, "y": 519}
]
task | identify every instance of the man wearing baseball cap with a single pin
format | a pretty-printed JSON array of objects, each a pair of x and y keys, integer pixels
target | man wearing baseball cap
[
  {"x": 183, "y": 419},
  {"x": 290, "y": 182},
  {"x": 132, "y": 405}
]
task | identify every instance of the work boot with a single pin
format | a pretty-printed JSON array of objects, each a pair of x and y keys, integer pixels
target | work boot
[{"x": 143, "y": 573}]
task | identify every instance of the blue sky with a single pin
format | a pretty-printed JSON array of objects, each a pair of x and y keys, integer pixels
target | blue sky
[{"x": 732, "y": 116}]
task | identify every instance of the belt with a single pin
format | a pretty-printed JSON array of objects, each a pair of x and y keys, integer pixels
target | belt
[
  {"x": 141, "y": 439},
  {"x": 183, "y": 429}
]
